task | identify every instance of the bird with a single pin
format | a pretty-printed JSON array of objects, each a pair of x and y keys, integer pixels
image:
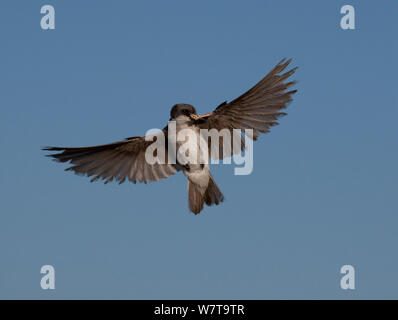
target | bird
[{"x": 258, "y": 109}]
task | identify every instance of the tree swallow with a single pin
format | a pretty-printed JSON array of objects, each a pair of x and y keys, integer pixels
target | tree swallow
[{"x": 258, "y": 109}]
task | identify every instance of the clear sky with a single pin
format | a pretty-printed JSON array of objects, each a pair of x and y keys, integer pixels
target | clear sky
[{"x": 323, "y": 192}]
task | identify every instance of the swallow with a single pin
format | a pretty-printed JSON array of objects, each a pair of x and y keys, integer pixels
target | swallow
[{"x": 258, "y": 109}]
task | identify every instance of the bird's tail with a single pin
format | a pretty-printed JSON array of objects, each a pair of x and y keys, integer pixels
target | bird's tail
[
  {"x": 196, "y": 198},
  {"x": 213, "y": 194}
]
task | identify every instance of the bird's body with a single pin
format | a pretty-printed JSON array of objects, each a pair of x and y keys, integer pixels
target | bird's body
[
  {"x": 188, "y": 157},
  {"x": 195, "y": 171},
  {"x": 257, "y": 110}
]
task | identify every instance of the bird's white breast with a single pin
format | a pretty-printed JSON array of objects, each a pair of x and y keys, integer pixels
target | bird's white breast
[{"x": 198, "y": 172}]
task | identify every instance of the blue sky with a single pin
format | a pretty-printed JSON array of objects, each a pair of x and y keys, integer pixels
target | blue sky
[{"x": 324, "y": 187}]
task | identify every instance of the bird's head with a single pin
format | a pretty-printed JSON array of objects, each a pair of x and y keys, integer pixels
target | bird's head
[{"x": 182, "y": 109}]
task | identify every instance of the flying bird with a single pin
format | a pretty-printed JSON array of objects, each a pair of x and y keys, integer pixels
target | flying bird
[{"x": 257, "y": 109}]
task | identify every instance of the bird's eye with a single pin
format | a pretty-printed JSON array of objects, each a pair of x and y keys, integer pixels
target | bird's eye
[{"x": 185, "y": 112}]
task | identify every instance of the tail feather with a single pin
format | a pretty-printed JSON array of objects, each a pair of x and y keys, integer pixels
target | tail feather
[
  {"x": 196, "y": 199},
  {"x": 213, "y": 194}
]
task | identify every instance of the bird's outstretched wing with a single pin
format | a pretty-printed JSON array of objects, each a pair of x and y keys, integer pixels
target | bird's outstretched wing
[
  {"x": 119, "y": 160},
  {"x": 257, "y": 109}
]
